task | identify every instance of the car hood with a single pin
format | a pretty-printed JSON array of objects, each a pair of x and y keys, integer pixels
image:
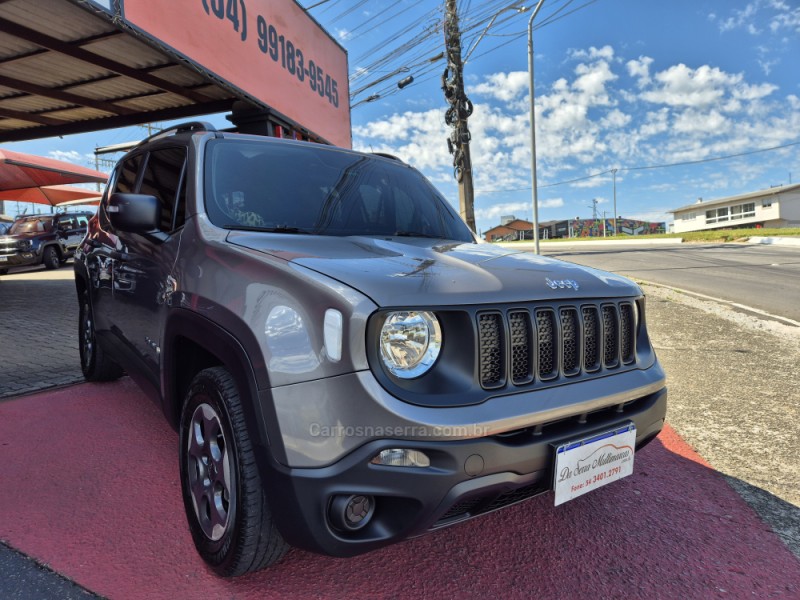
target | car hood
[
  {"x": 21, "y": 236},
  {"x": 421, "y": 272}
]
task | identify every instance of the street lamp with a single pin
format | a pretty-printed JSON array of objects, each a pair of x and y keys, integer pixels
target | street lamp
[
  {"x": 614, "y": 173},
  {"x": 519, "y": 9},
  {"x": 533, "y": 131}
]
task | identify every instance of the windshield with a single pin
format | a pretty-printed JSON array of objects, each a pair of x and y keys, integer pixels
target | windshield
[
  {"x": 31, "y": 225},
  {"x": 298, "y": 188}
]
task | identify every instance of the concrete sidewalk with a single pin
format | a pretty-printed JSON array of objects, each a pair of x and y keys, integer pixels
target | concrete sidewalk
[{"x": 554, "y": 246}]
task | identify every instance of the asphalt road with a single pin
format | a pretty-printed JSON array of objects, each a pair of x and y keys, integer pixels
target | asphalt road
[{"x": 759, "y": 276}]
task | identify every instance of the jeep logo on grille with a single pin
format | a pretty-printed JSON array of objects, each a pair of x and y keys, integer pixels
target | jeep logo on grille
[{"x": 561, "y": 284}]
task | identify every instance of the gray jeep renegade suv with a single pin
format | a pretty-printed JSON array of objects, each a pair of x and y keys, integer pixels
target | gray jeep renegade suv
[{"x": 345, "y": 364}]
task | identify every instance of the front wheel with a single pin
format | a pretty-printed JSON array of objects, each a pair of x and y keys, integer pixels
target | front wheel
[
  {"x": 230, "y": 521},
  {"x": 95, "y": 363},
  {"x": 51, "y": 258}
]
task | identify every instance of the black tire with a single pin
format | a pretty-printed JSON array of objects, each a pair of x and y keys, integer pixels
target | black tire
[
  {"x": 95, "y": 363},
  {"x": 229, "y": 518},
  {"x": 3, "y": 271},
  {"x": 51, "y": 258}
]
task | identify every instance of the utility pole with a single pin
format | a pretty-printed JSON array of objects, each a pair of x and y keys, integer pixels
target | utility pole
[
  {"x": 534, "y": 185},
  {"x": 594, "y": 208},
  {"x": 457, "y": 115}
]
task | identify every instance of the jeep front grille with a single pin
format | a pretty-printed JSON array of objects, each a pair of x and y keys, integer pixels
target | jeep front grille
[
  {"x": 522, "y": 346},
  {"x": 490, "y": 331}
]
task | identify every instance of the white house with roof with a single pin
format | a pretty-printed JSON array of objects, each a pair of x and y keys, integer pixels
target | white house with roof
[{"x": 773, "y": 207}]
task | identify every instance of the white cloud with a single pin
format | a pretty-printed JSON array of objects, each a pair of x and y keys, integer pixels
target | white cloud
[
  {"x": 701, "y": 122},
  {"x": 70, "y": 156},
  {"x": 740, "y": 17},
  {"x": 551, "y": 203},
  {"x": 419, "y": 138},
  {"x": 616, "y": 119},
  {"x": 753, "y": 92},
  {"x": 592, "y": 81},
  {"x": 495, "y": 211},
  {"x": 503, "y": 86},
  {"x": 655, "y": 122},
  {"x": 604, "y": 53},
  {"x": 680, "y": 85},
  {"x": 780, "y": 15},
  {"x": 640, "y": 69}
]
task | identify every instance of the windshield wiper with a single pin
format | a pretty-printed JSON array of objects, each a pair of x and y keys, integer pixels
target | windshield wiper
[
  {"x": 284, "y": 229},
  {"x": 279, "y": 229},
  {"x": 417, "y": 234},
  {"x": 236, "y": 227}
]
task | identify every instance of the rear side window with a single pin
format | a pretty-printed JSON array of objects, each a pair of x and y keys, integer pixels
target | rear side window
[
  {"x": 163, "y": 178},
  {"x": 66, "y": 223}
]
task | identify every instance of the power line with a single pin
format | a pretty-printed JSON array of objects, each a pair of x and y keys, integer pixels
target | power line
[
  {"x": 705, "y": 160},
  {"x": 474, "y": 22}
]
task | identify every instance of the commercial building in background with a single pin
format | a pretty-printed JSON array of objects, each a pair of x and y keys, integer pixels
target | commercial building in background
[
  {"x": 773, "y": 207},
  {"x": 512, "y": 229}
]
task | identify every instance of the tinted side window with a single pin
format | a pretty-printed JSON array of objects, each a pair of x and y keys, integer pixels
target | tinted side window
[
  {"x": 66, "y": 223},
  {"x": 162, "y": 178},
  {"x": 126, "y": 180}
]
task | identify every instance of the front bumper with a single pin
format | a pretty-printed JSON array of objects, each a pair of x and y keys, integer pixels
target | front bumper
[
  {"x": 503, "y": 469},
  {"x": 18, "y": 259}
]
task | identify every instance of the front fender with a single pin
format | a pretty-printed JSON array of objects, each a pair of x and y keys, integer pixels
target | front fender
[{"x": 239, "y": 353}]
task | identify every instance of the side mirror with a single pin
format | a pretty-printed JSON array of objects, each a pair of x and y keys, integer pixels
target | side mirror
[{"x": 136, "y": 213}]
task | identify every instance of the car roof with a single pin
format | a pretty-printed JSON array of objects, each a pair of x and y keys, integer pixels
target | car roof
[{"x": 81, "y": 213}]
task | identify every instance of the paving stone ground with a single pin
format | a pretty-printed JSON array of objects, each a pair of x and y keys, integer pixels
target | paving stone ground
[{"x": 38, "y": 331}]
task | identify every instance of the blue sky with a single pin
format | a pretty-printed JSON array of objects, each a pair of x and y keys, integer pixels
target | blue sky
[{"x": 622, "y": 84}]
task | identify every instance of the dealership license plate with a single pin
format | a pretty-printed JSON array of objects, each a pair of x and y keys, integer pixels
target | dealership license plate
[
  {"x": 587, "y": 464},
  {"x": 3, "y": 258}
]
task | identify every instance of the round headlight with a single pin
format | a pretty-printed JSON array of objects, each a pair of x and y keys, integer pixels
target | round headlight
[{"x": 410, "y": 343}]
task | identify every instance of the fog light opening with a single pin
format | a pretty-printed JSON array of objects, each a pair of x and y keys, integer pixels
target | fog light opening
[
  {"x": 351, "y": 512},
  {"x": 401, "y": 457}
]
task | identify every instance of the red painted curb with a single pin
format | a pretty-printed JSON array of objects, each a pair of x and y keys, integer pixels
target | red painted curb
[{"x": 89, "y": 486}]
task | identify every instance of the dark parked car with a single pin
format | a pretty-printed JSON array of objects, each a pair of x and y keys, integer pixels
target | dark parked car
[
  {"x": 42, "y": 239},
  {"x": 346, "y": 365}
]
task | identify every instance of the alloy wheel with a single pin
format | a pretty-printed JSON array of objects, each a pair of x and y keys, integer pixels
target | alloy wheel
[{"x": 210, "y": 474}]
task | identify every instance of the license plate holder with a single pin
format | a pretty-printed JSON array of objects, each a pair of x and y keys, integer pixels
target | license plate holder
[{"x": 589, "y": 463}]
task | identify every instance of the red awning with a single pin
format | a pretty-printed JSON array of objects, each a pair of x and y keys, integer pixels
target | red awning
[
  {"x": 54, "y": 195},
  {"x": 19, "y": 172}
]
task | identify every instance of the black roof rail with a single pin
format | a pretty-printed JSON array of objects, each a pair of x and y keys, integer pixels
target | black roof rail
[{"x": 180, "y": 128}]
